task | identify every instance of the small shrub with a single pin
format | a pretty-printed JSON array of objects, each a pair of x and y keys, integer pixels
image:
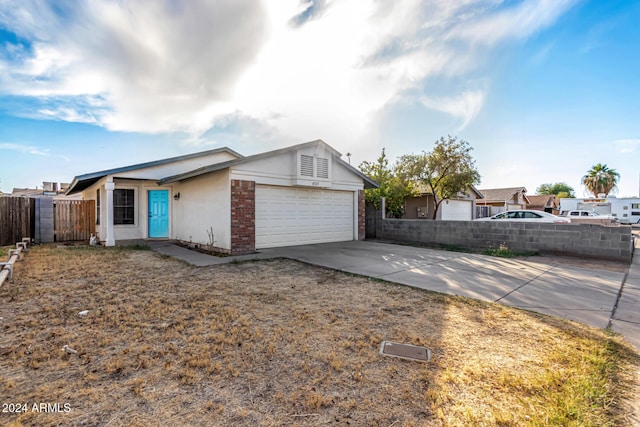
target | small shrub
[{"x": 504, "y": 252}]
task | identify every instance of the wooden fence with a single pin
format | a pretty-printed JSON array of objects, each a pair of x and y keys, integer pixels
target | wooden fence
[
  {"x": 16, "y": 219},
  {"x": 74, "y": 220}
]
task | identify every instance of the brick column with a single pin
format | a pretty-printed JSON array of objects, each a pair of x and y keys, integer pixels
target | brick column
[
  {"x": 243, "y": 217},
  {"x": 361, "y": 210}
]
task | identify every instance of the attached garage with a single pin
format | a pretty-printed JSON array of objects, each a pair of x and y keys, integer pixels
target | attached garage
[
  {"x": 457, "y": 210},
  {"x": 287, "y": 216}
]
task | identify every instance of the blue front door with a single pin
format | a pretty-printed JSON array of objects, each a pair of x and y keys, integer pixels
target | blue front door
[{"x": 158, "y": 213}]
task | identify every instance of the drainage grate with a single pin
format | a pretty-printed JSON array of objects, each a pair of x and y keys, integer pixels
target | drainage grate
[{"x": 405, "y": 351}]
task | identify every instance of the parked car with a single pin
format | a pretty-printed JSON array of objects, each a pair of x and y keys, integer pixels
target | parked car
[
  {"x": 581, "y": 216},
  {"x": 527, "y": 216},
  {"x": 584, "y": 213}
]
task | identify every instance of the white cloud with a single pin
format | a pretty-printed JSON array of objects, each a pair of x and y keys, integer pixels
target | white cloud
[
  {"x": 312, "y": 69},
  {"x": 464, "y": 106},
  {"x": 68, "y": 115},
  {"x": 626, "y": 145},
  {"x": 22, "y": 148},
  {"x": 489, "y": 24},
  {"x": 157, "y": 64}
]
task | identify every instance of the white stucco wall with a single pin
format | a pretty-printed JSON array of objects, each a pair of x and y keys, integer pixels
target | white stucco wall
[
  {"x": 282, "y": 169},
  {"x": 205, "y": 202},
  {"x": 139, "y": 229},
  {"x": 344, "y": 179}
]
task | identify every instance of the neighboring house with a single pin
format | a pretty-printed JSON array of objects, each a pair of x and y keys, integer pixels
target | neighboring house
[
  {"x": 543, "y": 202},
  {"x": 297, "y": 195},
  {"x": 423, "y": 206},
  {"x": 498, "y": 200},
  {"x": 49, "y": 189}
]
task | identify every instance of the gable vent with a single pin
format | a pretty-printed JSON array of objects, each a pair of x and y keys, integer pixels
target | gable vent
[
  {"x": 306, "y": 165},
  {"x": 323, "y": 168}
]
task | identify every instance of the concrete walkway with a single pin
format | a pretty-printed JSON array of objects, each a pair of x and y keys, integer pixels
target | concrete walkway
[{"x": 598, "y": 298}]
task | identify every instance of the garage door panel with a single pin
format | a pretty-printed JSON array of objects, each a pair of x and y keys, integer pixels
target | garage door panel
[
  {"x": 457, "y": 210},
  {"x": 287, "y": 216}
]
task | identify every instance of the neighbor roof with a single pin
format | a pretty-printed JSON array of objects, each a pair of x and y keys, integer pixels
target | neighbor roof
[
  {"x": 501, "y": 194},
  {"x": 81, "y": 182},
  {"x": 422, "y": 189},
  {"x": 541, "y": 199},
  {"x": 368, "y": 182}
]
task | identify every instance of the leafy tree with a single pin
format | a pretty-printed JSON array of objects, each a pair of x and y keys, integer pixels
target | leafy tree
[
  {"x": 601, "y": 180},
  {"x": 445, "y": 171},
  {"x": 392, "y": 187},
  {"x": 560, "y": 189}
]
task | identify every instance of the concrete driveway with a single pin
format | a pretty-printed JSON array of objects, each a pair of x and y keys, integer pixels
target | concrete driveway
[
  {"x": 596, "y": 297},
  {"x": 585, "y": 295}
]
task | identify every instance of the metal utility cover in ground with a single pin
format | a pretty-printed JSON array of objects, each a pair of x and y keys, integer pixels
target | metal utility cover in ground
[{"x": 405, "y": 351}]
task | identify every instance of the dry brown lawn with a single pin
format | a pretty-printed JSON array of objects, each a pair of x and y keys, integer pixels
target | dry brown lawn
[{"x": 279, "y": 342}]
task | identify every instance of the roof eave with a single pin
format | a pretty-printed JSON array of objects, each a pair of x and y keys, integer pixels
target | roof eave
[
  {"x": 368, "y": 182},
  {"x": 100, "y": 174}
]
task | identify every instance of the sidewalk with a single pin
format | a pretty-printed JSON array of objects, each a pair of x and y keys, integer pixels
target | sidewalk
[
  {"x": 625, "y": 319},
  {"x": 199, "y": 259}
]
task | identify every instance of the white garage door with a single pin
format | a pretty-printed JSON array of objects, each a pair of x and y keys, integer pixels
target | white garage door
[
  {"x": 456, "y": 210},
  {"x": 287, "y": 216}
]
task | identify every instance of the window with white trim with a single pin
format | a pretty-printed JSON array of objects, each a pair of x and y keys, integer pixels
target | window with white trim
[{"x": 123, "y": 206}]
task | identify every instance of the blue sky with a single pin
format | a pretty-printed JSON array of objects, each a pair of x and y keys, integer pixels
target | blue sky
[{"x": 541, "y": 89}]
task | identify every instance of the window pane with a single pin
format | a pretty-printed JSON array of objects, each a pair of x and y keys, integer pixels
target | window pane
[{"x": 123, "y": 206}]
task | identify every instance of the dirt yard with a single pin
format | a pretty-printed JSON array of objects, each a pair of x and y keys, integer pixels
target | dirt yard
[{"x": 269, "y": 343}]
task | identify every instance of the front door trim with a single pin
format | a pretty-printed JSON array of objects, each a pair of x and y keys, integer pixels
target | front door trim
[{"x": 158, "y": 214}]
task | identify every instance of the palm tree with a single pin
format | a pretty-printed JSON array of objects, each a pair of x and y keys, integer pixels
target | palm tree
[{"x": 600, "y": 180}]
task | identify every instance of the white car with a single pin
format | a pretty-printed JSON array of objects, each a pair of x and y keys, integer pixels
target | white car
[
  {"x": 527, "y": 216},
  {"x": 580, "y": 216},
  {"x": 584, "y": 213}
]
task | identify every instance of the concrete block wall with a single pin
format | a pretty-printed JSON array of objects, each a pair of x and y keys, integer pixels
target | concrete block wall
[
  {"x": 586, "y": 240},
  {"x": 44, "y": 226}
]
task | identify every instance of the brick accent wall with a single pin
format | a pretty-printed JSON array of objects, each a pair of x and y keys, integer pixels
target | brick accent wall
[
  {"x": 243, "y": 217},
  {"x": 361, "y": 216}
]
